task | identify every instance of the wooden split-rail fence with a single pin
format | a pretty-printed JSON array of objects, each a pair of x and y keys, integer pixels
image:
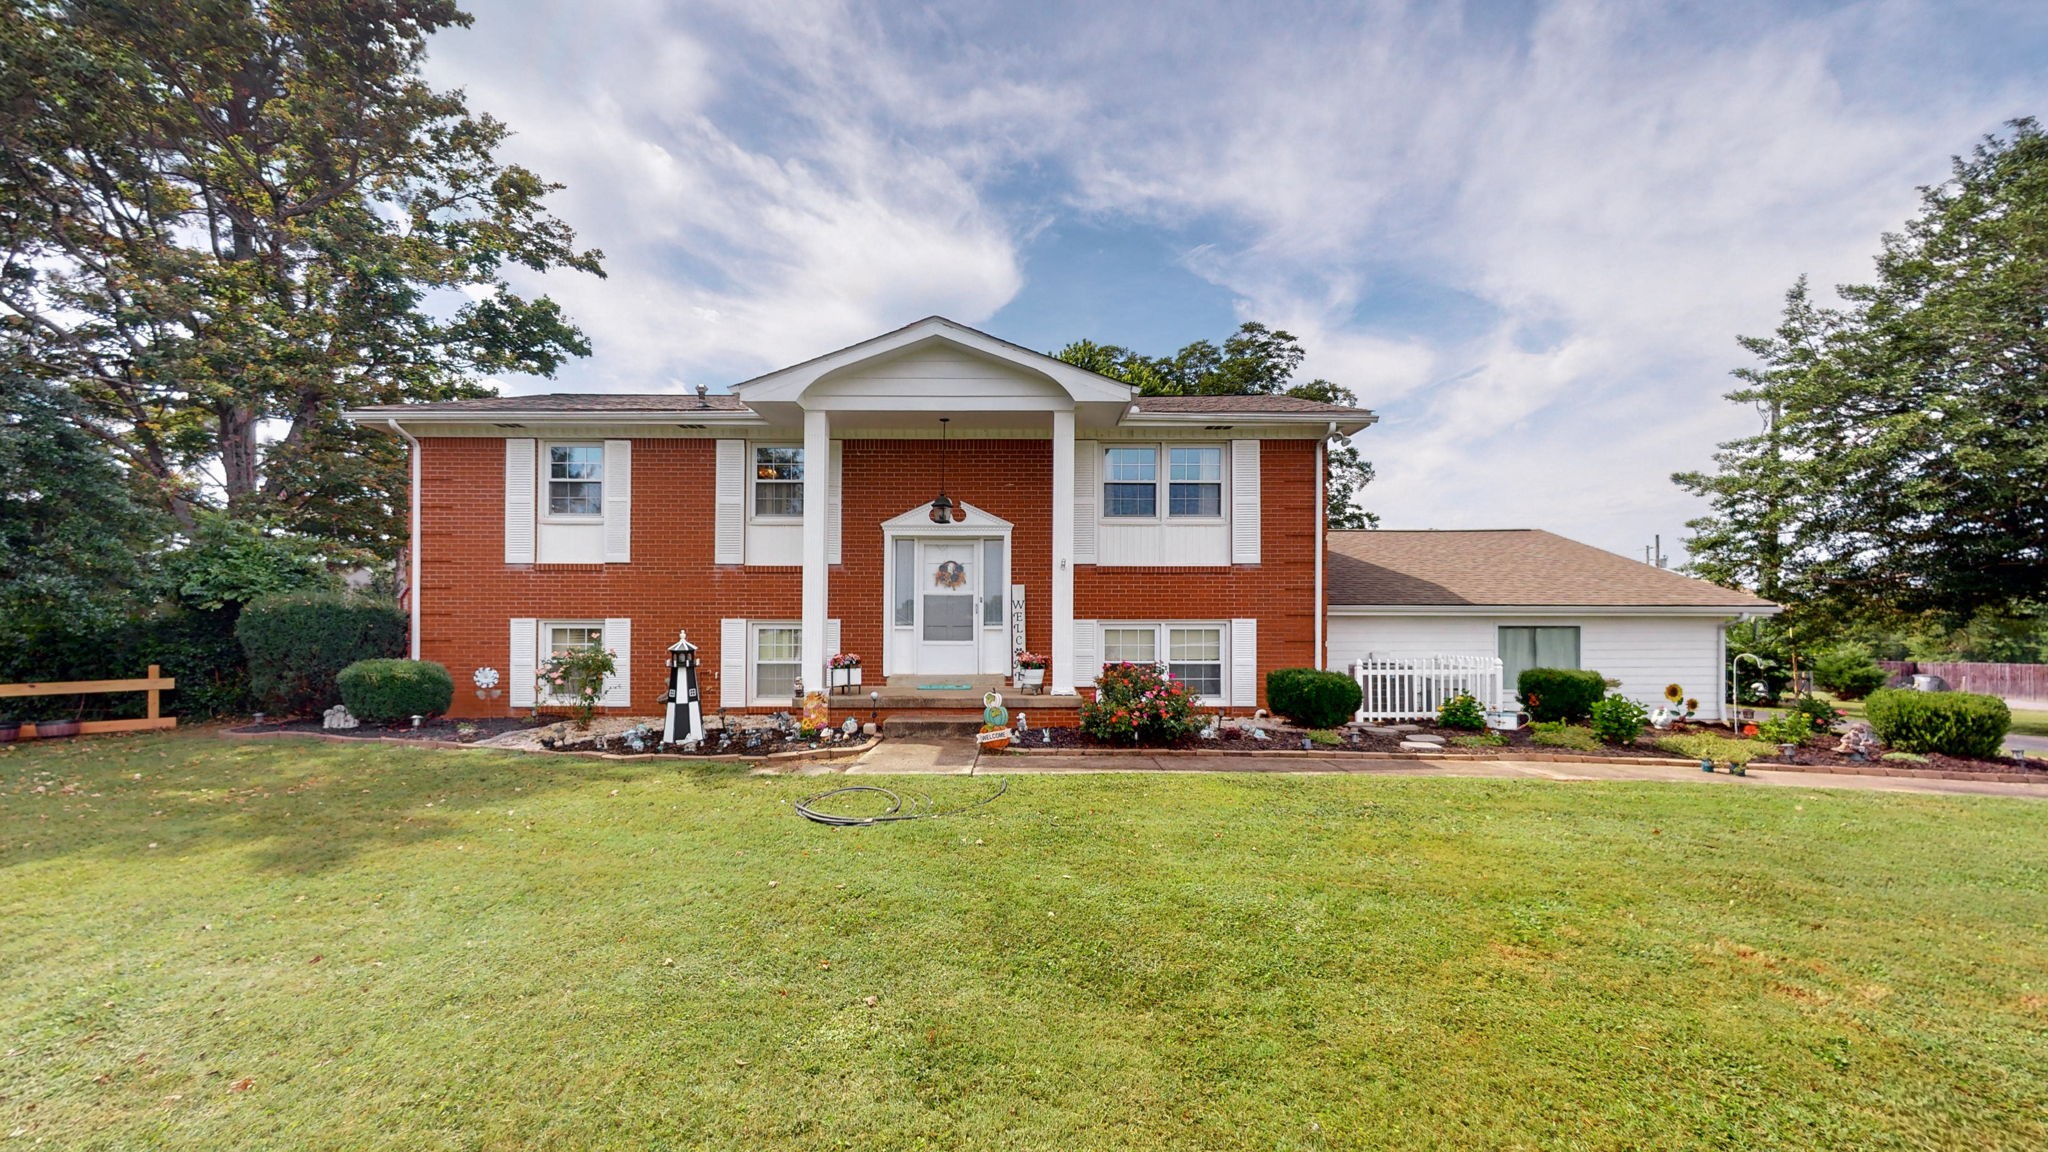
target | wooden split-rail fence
[{"x": 152, "y": 684}]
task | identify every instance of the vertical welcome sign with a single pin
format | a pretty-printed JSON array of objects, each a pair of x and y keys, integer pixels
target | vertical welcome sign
[{"x": 1016, "y": 625}]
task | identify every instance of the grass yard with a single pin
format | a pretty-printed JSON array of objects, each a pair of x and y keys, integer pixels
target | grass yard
[{"x": 216, "y": 945}]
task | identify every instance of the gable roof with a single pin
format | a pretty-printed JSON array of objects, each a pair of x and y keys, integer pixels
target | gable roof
[
  {"x": 785, "y": 384},
  {"x": 1517, "y": 567},
  {"x": 572, "y": 402}
]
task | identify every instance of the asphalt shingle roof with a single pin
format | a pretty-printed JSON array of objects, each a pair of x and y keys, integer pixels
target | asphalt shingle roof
[
  {"x": 1512, "y": 567},
  {"x": 1245, "y": 405},
  {"x": 578, "y": 402}
]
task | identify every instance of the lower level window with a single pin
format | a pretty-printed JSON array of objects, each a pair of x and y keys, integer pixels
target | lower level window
[
  {"x": 1190, "y": 653},
  {"x": 565, "y": 638},
  {"x": 1523, "y": 648},
  {"x": 1195, "y": 655},
  {"x": 778, "y": 660}
]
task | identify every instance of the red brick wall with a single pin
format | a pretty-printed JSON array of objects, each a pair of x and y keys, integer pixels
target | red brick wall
[{"x": 468, "y": 593}]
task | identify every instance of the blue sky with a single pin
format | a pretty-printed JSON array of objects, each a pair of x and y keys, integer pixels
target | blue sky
[{"x": 1526, "y": 233}]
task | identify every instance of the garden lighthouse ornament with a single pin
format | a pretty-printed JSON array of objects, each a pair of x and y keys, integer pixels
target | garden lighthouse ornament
[{"x": 685, "y": 724}]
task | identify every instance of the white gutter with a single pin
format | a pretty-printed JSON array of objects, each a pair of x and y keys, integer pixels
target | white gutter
[
  {"x": 413, "y": 545},
  {"x": 1135, "y": 416}
]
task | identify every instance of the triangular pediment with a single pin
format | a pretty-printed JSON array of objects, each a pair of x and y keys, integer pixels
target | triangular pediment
[{"x": 971, "y": 521}]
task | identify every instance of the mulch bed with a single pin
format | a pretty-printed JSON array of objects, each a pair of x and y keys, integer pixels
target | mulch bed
[
  {"x": 439, "y": 729},
  {"x": 754, "y": 741},
  {"x": 1817, "y": 753}
]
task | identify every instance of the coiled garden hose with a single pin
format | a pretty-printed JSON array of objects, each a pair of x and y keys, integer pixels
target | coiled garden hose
[{"x": 920, "y": 806}]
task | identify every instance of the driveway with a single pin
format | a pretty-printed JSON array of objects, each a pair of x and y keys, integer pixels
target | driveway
[{"x": 895, "y": 757}]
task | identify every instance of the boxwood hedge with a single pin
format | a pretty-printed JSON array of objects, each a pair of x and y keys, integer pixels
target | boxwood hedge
[
  {"x": 1951, "y": 723},
  {"x": 391, "y": 691},
  {"x": 1311, "y": 697}
]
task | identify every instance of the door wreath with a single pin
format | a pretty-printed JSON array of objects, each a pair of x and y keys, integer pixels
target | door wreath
[{"x": 951, "y": 574}]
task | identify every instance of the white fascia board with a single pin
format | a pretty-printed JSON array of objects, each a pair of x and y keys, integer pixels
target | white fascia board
[
  {"x": 370, "y": 416},
  {"x": 1727, "y": 612},
  {"x": 788, "y": 384},
  {"x": 1135, "y": 418}
]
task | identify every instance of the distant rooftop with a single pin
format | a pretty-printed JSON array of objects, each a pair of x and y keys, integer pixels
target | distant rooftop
[{"x": 1516, "y": 567}]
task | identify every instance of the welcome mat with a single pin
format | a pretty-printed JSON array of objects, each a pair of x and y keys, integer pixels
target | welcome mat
[{"x": 944, "y": 687}]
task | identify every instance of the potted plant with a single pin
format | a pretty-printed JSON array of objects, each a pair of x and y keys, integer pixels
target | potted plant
[
  {"x": 843, "y": 671},
  {"x": 56, "y": 729},
  {"x": 1030, "y": 672},
  {"x": 10, "y": 729}
]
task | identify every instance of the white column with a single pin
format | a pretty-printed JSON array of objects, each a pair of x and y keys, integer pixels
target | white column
[
  {"x": 817, "y": 476},
  {"x": 1062, "y": 674}
]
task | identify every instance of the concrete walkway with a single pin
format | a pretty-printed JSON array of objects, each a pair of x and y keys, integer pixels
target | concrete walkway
[{"x": 957, "y": 757}]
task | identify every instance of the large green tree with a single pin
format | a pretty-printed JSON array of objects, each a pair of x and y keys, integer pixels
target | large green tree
[
  {"x": 1903, "y": 466},
  {"x": 224, "y": 221},
  {"x": 1253, "y": 361}
]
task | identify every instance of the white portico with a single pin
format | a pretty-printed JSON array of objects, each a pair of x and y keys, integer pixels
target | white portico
[{"x": 899, "y": 385}]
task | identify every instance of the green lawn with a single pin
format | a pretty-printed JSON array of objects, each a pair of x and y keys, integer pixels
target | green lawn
[{"x": 217, "y": 945}]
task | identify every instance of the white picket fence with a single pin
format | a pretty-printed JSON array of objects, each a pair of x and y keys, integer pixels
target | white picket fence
[{"x": 1412, "y": 686}]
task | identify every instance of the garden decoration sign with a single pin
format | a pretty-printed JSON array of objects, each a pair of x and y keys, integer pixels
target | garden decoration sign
[{"x": 951, "y": 574}]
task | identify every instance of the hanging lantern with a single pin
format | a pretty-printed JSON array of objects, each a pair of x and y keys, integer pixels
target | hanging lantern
[{"x": 942, "y": 508}]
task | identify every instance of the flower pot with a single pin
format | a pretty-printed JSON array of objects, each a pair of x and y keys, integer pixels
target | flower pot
[
  {"x": 1706, "y": 765},
  {"x": 843, "y": 679},
  {"x": 1735, "y": 769},
  {"x": 56, "y": 729},
  {"x": 10, "y": 732},
  {"x": 1031, "y": 679}
]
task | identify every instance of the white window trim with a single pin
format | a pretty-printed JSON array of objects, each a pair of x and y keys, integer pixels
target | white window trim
[
  {"x": 1162, "y": 649},
  {"x": 1163, "y": 483},
  {"x": 754, "y": 627},
  {"x": 543, "y": 473},
  {"x": 753, "y": 474},
  {"x": 544, "y": 647}
]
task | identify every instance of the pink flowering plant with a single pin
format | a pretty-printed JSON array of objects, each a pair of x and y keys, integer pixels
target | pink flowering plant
[
  {"x": 576, "y": 677},
  {"x": 1140, "y": 704},
  {"x": 844, "y": 660},
  {"x": 1030, "y": 660}
]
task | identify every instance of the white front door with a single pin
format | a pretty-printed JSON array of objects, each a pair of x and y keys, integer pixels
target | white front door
[{"x": 948, "y": 607}]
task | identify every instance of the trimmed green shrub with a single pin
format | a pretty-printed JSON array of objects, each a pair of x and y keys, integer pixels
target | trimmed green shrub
[
  {"x": 1558, "y": 734},
  {"x": 1139, "y": 704},
  {"x": 1313, "y": 698},
  {"x": 1618, "y": 719},
  {"x": 1461, "y": 711},
  {"x": 1480, "y": 740},
  {"x": 1560, "y": 693},
  {"x": 1849, "y": 672},
  {"x": 1951, "y": 723},
  {"x": 391, "y": 691},
  {"x": 298, "y": 642}
]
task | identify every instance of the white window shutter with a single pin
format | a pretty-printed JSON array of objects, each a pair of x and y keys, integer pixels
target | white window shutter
[
  {"x": 1244, "y": 663},
  {"x": 1086, "y": 653},
  {"x": 831, "y": 638},
  {"x": 834, "y": 504},
  {"x": 618, "y": 687},
  {"x": 618, "y": 501},
  {"x": 524, "y": 662},
  {"x": 729, "y": 534},
  {"x": 1244, "y": 501},
  {"x": 732, "y": 663},
  {"x": 520, "y": 484},
  {"x": 1087, "y": 498}
]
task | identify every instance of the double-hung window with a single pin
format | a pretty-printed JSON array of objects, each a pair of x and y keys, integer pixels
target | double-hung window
[
  {"x": 1130, "y": 482},
  {"x": 576, "y": 480},
  {"x": 1195, "y": 481},
  {"x": 778, "y": 482},
  {"x": 1191, "y": 653},
  {"x": 566, "y": 638},
  {"x": 778, "y": 660},
  {"x": 1195, "y": 656}
]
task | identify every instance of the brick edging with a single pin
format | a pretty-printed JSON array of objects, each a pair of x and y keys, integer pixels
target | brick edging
[
  {"x": 1356, "y": 754},
  {"x": 1910, "y": 773},
  {"x": 833, "y": 753}
]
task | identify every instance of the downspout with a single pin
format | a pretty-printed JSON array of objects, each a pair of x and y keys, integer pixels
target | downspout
[
  {"x": 1322, "y": 542},
  {"x": 412, "y": 585}
]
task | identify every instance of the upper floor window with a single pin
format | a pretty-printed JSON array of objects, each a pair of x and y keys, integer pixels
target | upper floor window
[
  {"x": 1194, "y": 482},
  {"x": 778, "y": 482},
  {"x": 575, "y": 479},
  {"x": 1130, "y": 482}
]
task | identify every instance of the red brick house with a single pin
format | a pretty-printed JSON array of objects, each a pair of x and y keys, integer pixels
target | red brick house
[{"x": 792, "y": 519}]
